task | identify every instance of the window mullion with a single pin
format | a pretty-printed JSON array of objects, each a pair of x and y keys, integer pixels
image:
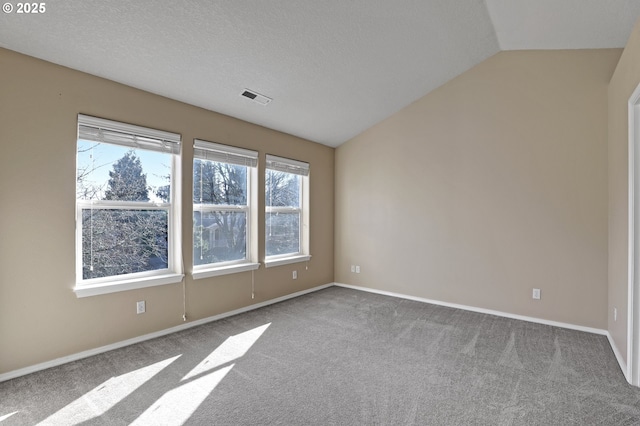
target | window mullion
[
  {"x": 270, "y": 209},
  {"x": 219, "y": 208},
  {"x": 114, "y": 205}
]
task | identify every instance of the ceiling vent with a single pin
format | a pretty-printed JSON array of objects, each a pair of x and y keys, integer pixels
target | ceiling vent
[{"x": 256, "y": 97}]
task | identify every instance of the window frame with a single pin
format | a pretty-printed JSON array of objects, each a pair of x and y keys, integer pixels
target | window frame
[
  {"x": 235, "y": 156},
  {"x": 302, "y": 169},
  {"x": 141, "y": 138}
]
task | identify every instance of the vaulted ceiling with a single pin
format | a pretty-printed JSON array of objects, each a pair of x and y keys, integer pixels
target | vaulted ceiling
[{"x": 332, "y": 68}]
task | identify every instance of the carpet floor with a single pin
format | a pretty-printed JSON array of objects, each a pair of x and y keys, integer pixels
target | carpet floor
[{"x": 338, "y": 357}]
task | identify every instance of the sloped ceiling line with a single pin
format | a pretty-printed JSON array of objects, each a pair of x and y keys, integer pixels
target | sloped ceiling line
[{"x": 333, "y": 69}]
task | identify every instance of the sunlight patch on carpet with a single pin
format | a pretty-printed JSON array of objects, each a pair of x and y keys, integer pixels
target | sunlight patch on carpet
[
  {"x": 99, "y": 400},
  {"x": 176, "y": 406},
  {"x": 231, "y": 349},
  {"x": 6, "y": 416}
]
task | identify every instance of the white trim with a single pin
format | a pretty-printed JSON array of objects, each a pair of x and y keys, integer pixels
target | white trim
[
  {"x": 303, "y": 210},
  {"x": 479, "y": 310},
  {"x": 286, "y": 260},
  {"x": 616, "y": 352},
  {"x": 122, "y": 205},
  {"x": 110, "y": 284},
  {"x": 633, "y": 274},
  {"x": 91, "y": 352},
  {"x": 85, "y": 290},
  {"x": 224, "y": 270},
  {"x": 250, "y": 209},
  {"x": 175, "y": 218}
]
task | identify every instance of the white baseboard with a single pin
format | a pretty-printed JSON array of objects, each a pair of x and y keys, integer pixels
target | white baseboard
[
  {"x": 618, "y": 355},
  {"x": 616, "y": 351},
  {"x": 621, "y": 361},
  {"x": 91, "y": 352},
  {"x": 479, "y": 310}
]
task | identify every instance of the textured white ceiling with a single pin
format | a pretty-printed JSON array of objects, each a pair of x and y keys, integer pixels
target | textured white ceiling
[{"x": 333, "y": 68}]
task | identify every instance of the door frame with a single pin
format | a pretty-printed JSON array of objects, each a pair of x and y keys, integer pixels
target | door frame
[{"x": 633, "y": 293}]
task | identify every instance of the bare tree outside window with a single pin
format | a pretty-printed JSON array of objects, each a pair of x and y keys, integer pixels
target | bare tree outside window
[
  {"x": 220, "y": 216},
  {"x": 283, "y": 213},
  {"x": 122, "y": 231}
]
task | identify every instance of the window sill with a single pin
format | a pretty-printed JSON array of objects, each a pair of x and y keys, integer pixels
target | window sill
[
  {"x": 124, "y": 285},
  {"x": 224, "y": 270},
  {"x": 286, "y": 260}
]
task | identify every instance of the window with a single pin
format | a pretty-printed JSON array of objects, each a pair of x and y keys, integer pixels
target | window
[
  {"x": 286, "y": 211},
  {"x": 223, "y": 187},
  {"x": 126, "y": 207}
]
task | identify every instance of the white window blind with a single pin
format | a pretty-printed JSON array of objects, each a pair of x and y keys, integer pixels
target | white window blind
[
  {"x": 107, "y": 131},
  {"x": 224, "y": 153},
  {"x": 287, "y": 165}
]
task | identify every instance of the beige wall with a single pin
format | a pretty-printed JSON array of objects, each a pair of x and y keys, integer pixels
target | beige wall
[
  {"x": 624, "y": 81},
  {"x": 491, "y": 185},
  {"x": 40, "y": 317}
]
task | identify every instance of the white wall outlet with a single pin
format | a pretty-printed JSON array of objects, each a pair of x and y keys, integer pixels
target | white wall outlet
[
  {"x": 536, "y": 293},
  {"x": 615, "y": 314},
  {"x": 141, "y": 307},
  {"x": 295, "y": 275},
  {"x": 353, "y": 268},
  {"x": 357, "y": 269}
]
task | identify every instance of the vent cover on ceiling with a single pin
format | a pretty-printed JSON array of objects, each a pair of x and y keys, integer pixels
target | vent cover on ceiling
[{"x": 256, "y": 97}]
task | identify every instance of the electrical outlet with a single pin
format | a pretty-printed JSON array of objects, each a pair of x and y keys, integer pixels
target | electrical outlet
[
  {"x": 295, "y": 275},
  {"x": 141, "y": 307},
  {"x": 357, "y": 269},
  {"x": 536, "y": 293},
  {"x": 353, "y": 268}
]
